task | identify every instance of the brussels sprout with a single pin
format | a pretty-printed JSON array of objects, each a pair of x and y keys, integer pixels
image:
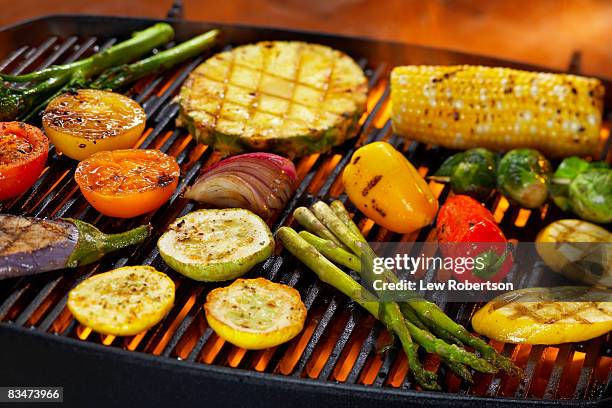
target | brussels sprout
[
  {"x": 590, "y": 195},
  {"x": 566, "y": 172},
  {"x": 471, "y": 172},
  {"x": 523, "y": 176}
]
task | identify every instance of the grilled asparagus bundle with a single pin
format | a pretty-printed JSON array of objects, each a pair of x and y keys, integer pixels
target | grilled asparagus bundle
[
  {"x": 416, "y": 321},
  {"x": 498, "y": 108}
]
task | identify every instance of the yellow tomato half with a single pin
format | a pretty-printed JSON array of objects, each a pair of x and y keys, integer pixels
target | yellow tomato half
[{"x": 82, "y": 123}]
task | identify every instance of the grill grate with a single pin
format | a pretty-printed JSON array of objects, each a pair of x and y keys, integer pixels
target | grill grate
[{"x": 339, "y": 340}]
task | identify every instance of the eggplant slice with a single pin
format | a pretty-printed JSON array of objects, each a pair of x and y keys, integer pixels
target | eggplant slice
[{"x": 31, "y": 245}]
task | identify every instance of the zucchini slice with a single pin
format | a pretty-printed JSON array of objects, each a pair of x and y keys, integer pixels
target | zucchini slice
[
  {"x": 216, "y": 245},
  {"x": 123, "y": 302},
  {"x": 255, "y": 313},
  {"x": 292, "y": 98}
]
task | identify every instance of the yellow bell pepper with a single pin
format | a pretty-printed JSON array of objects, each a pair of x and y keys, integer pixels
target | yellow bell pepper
[{"x": 387, "y": 188}]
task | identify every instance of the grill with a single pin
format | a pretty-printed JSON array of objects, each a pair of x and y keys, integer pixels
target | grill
[{"x": 334, "y": 359}]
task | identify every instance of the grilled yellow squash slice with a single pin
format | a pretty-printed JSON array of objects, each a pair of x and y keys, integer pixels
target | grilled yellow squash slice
[
  {"x": 123, "y": 302},
  {"x": 577, "y": 249},
  {"x": 293, "y": 98},
  {"x": 546, "y": 315},
  {"x": 255, "y": 313}
]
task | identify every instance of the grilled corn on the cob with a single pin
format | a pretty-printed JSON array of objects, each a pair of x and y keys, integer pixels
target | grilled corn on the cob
[
  {"x": 290, "y": 97},
  {"x": 498, "y": 108}
]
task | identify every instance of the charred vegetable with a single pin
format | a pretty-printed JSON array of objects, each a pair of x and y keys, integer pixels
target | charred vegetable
[
  {"x": 49, "y": 82},
  {"x": 127, "y": 183},
  {"x": 462, "y": 221},
  {"x": 387, "y": 188},
  {"x": 590, "y": 195},
  {"x": 497, "y": 108},
  {"x": 472, "y": 173},
  {"x": 122, "y": 302},
  {"x": 546, "y": 315},
  {"x": 577, "y": 249},
  {"x": 255, "y": 313},
  {"x": 32, "y": 245},
  {"x": 23, "y": 153},
  {"x": 288, "y": 97},
  {"x": 523, "y": 176},
  {"x": 87, "y": 121},
  {"x": 584, "y": 188},
  {"x": 216, "y": 245},
  {"x": 259, "y": 182},
  {"x": 410, "y": 322},
  {"x": 110, "y": 64}
]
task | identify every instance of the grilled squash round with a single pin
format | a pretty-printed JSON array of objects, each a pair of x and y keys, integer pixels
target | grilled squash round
[
  {"x": 216, "y": 245},
  {"x": 546, "y": 315},
  {"x": 255, "y": 313},
  {"x": 123, "y": 302},
  {"x": 293, "y": 98}
]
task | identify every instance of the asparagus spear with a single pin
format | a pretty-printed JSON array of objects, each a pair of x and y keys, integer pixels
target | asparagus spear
[
  {"x": 342, "y": 257},
  {"x": 139, "y": 44},
  {"x": 330, "y": 220},
  {"x": 16, "y": 103},
  {"x": 120, "y": 76},
  {"x": 308, "y": 220},
  {"x": 332, "y": 251},
  {"x": 428, "y": 312},
  {"x": 340, "y": 210},
  {"x": 461, "y": 370},
  {"x": 331, "y": 274},
  {"x": 432, "y": 315}
]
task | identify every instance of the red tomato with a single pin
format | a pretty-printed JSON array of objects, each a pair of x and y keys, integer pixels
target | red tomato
[
  {"x": 23, "y": 153},
  {"x": 467, "y": 229}
]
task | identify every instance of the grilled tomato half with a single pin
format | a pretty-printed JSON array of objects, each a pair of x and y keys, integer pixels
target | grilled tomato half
[
  {"x": 124, "y": 301},
  {"x": 255, "y": 313},
  {"x": 87, "y": 121},
  {"x": 23, "y": 153},
  {"x": 126, "y": 183},
  {"x": 554, "y": 315}
]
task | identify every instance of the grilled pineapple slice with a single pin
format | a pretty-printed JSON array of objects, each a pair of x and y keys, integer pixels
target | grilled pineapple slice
[
  {"x": 293, "y": 98},
  {"x": 546, "y": 315},
  {"x": 123, "y": 302}
]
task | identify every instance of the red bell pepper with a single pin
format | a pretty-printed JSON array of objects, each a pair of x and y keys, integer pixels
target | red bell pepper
[{"x": 465, "y": 228}]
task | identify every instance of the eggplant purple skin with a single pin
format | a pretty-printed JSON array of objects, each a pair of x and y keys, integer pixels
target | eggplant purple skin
[{"x": 30, "y": 245}]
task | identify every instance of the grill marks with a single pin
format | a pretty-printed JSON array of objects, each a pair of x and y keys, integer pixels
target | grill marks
[
  {"x": 373, "y": 181},
  {"x": 19, "y": 234},
  {"x": 298, "y": 276}
]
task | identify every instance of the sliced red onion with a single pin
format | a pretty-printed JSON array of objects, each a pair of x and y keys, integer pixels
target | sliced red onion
[{"x": 259, "y": 182}]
